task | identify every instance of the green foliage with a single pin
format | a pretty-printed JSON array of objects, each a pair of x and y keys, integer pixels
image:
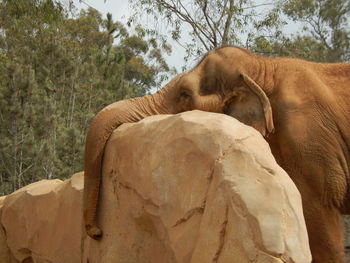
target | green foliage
[{"x": 56, "y": 73}]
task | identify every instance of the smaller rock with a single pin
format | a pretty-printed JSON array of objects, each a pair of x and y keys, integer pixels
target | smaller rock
[
  {"x": 5, "y": 253},
  {"x": 42, "y": 221}
]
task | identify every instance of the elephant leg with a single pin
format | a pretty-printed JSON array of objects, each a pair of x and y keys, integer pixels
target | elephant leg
[
  {"x": 312, "y": 156},
  {"x": 325, "y": 230}
]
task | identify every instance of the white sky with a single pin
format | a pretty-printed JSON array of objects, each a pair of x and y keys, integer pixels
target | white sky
[{"x": 118, "y": 8}]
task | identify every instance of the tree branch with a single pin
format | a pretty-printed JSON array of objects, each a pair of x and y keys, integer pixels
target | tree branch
[
  {"x": 254, "y": 6},
  {"x": 206, "y": 16},
  {"x": 25, "y": 170},
  {"x": 228, "y": 23},
  {"x": 188, "y": 19},
  {"x": 195, "y": 25},
  {"x": 219, "y": 19}
]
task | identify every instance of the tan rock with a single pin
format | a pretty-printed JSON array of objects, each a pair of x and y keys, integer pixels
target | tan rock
[
  {"x": 43, "y": 221},
  {"x": 5, "y": 253},
  {"x": 196, "y": 187}
]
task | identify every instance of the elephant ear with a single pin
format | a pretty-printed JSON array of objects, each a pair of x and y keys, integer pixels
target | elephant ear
[
  {"x": 264, "y": 101},
  {"x": 251, "y": 106}
]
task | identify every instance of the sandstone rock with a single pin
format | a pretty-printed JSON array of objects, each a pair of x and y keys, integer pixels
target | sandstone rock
[
  {"x": 196, "y": 187},
  {"x": 43, "y": 221},
  {"x": 5, "y": 253}
]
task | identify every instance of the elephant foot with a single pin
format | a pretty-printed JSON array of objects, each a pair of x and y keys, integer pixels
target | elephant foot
[{"x": 93, "y": 232}]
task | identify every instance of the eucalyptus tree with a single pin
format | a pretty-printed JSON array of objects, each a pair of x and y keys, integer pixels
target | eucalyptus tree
[{"x": 57, "y": 70}]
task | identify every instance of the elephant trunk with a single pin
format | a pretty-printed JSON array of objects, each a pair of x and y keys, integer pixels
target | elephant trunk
[{"x": 102, "y": 126}]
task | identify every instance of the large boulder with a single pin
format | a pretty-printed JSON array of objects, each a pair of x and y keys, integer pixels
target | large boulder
[
  {"x": 42, "y": 222},
  {"x": 195, "y": 187}
]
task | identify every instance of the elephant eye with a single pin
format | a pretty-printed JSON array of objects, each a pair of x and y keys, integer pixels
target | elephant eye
[
  {"x": 185, "y": 100},
  {"x": 185, "y": 94}
]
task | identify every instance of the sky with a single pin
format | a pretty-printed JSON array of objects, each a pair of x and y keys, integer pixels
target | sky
[{"x": 118, "y": 8}]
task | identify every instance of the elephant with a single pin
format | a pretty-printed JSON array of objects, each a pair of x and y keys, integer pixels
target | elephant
[{"x": 301, "y": 108}]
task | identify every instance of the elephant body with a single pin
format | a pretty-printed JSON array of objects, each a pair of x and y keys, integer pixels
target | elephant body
[
  {"x": 311, "y": 142},
  {"x": 302, "y": 108}
]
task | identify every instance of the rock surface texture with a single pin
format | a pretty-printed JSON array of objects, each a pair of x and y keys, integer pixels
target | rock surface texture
[
  {"x": 195, "y": 187},
  {"x": 41, "y": 222},
  {"x": 5, "y": 253}
]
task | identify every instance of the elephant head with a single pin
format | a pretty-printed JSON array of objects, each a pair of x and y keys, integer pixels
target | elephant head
[{"x": 219, "y": 83}]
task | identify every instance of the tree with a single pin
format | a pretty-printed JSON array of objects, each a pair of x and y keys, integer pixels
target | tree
[
  {"x": 326, "y": 23},
  {"x": 325, "y": 34},
  {"x": 56, "y": 72}
]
